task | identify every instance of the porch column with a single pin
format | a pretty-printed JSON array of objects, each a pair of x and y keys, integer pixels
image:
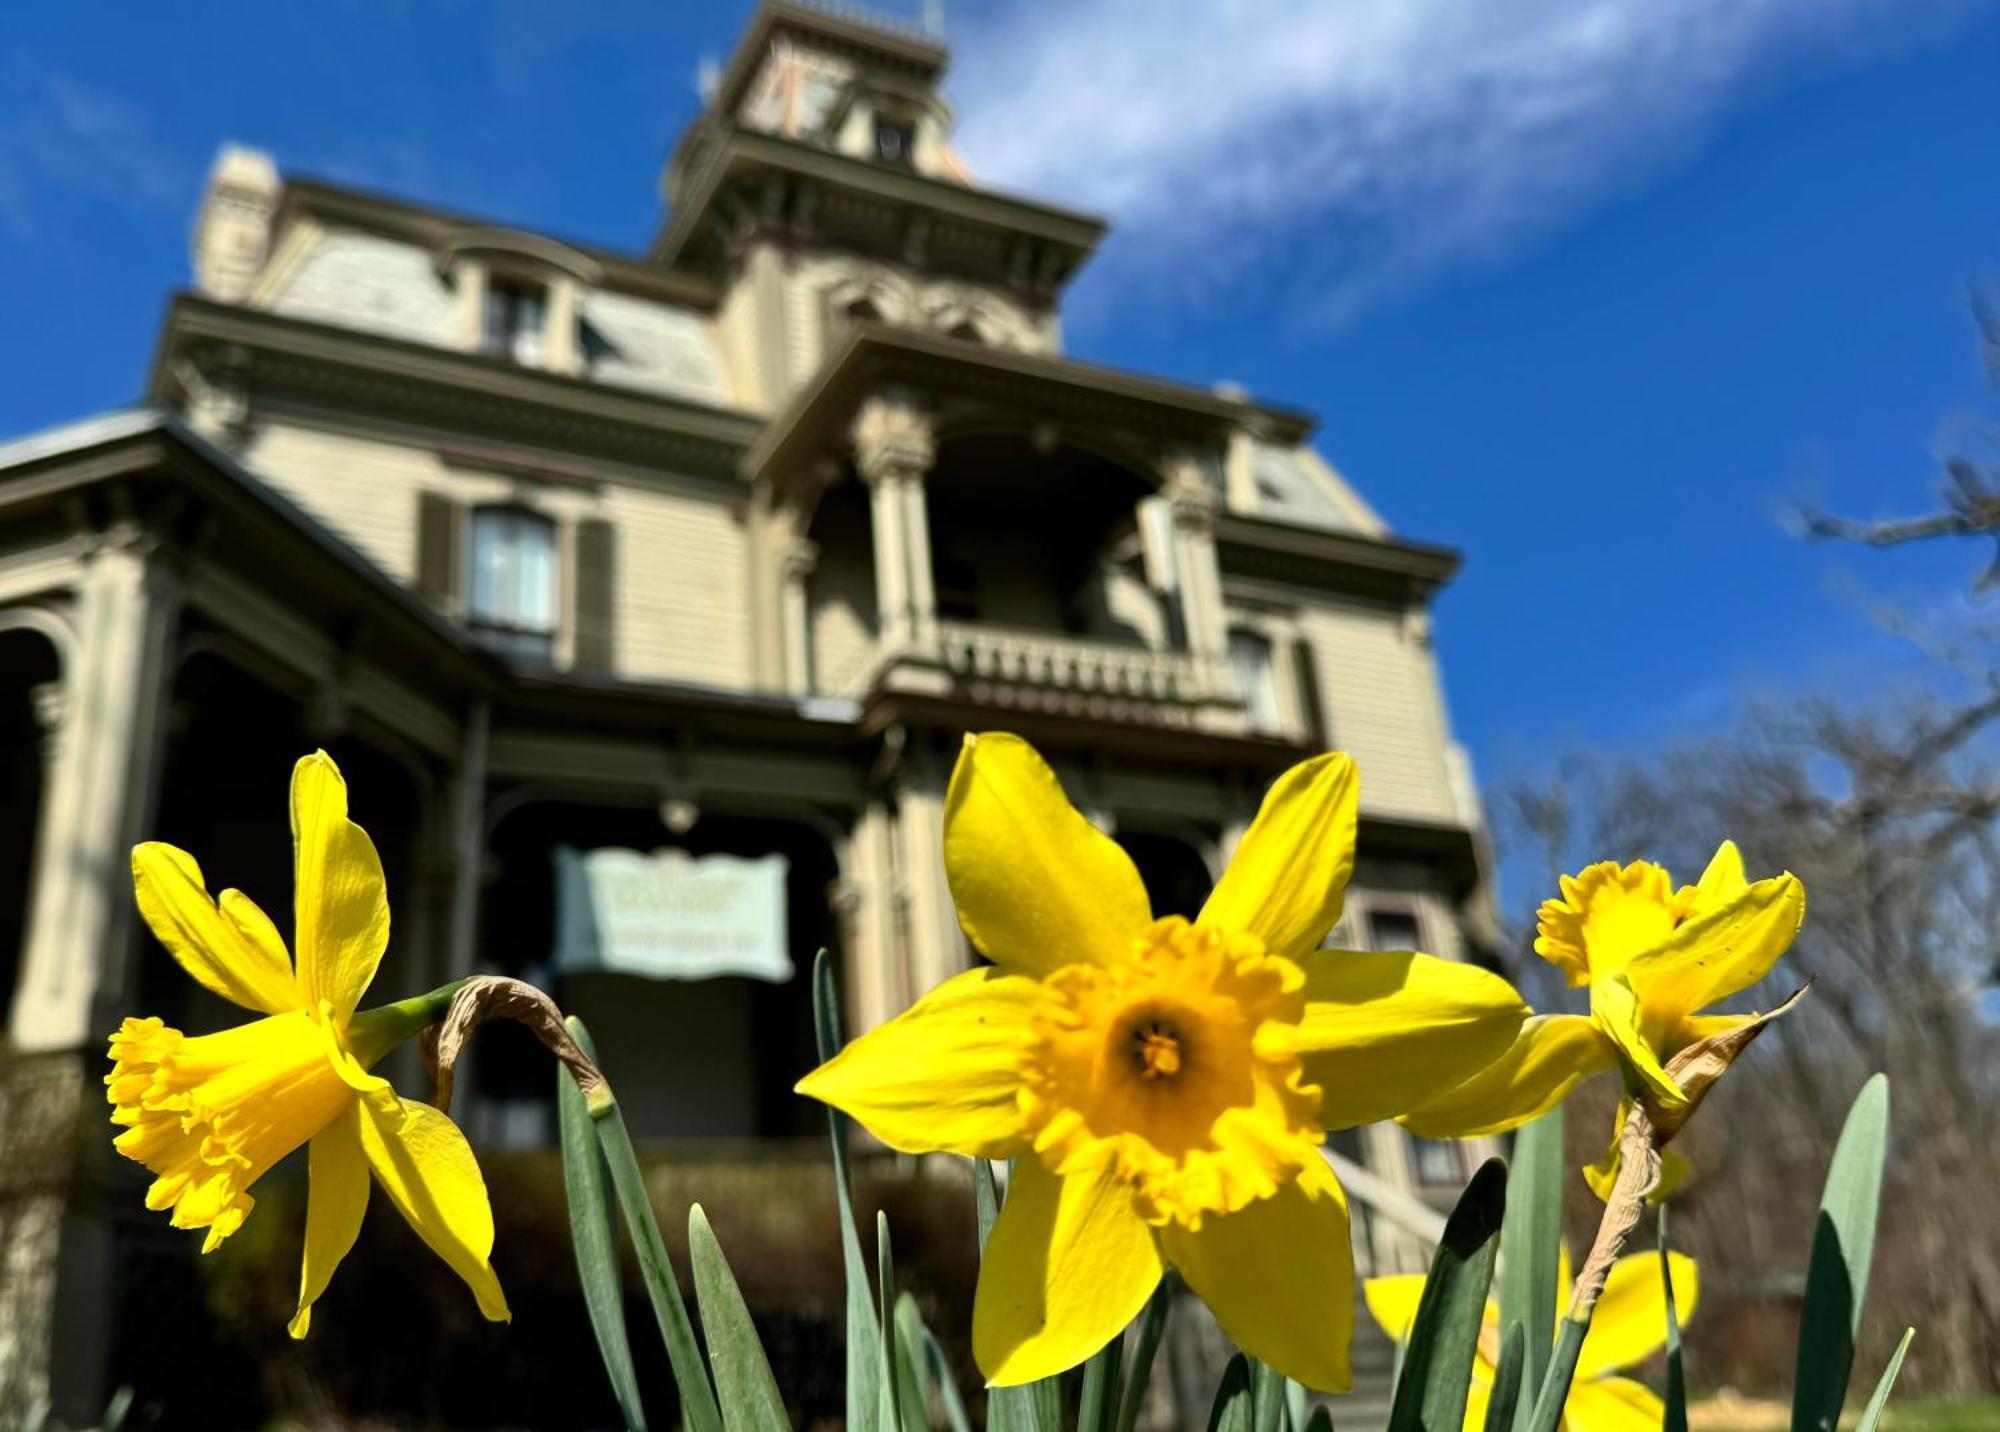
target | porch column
[
  {"x": 102, "y": 772},
  {"x": 1192, "y": 505},
  {"x": 796, "y": 564},
  {"x": 893, "y": 449}
]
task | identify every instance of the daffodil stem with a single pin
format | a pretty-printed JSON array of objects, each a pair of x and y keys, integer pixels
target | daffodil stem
[
  {"x": 1562, "y": 1369},
  {"x": 372, "y": 1033}
]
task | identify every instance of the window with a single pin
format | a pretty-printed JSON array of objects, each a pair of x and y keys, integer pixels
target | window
[
  {"x": 1250, "y": 657},
  {"x": 513, "y": 603},
  {"x": 1394, "y": 929},
  {"x": 515, "y": 322},
  {"x": 895, "y": 141}
]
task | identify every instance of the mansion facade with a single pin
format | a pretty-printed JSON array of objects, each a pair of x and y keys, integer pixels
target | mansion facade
[{"x": 720, "y": 547}]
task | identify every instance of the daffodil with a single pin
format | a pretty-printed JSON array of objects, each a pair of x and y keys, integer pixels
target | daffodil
[
  {"x": 1630, "y": 1326},
  {"x": 1652, "y": 958},
  {"x": 210, "y": 1115},
  {"x": 1163, "y": 1087}
]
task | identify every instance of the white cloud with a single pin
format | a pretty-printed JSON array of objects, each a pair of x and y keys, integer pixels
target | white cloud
[
  {"x": 65, "y": 135},
  {"x": 1357, "y": 148}
]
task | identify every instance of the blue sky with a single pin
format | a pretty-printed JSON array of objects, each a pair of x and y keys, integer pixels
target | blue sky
[{"x": 1593, "y": 294}]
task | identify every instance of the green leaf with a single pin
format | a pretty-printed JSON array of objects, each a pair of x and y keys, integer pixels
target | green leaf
[
  {"x": 1879, "y": 1399},
  {"x": 1437, "y": 1363},
  {"x": 1554, "y": 1393},
  {"x": 1295, "y": 1404},
  {"x": 1320, "y": 1421},
  {"x": 1100, "y": 1386},
  {"x": 656, "y": 1271},
  {"x": 864, "y": 1333},
  {"x": 936, "y": 1375},
  {"x": 892, "y": 1378},
  {"x": 595, "y": 1237},
  {"x": 743, "y": 1381},
  {"x": 1837, "y": 1277},
  {"x": 1531, "y": 1246},
  {"x": 1234, "y": 1409},
  {"x": 1675, "y": 1418},
  {"x": 913, "y": 1374},
  {"x": 1267, "y": 1397},
  {"x": 1152, "y": 1327},
  {"x": 1505, "y": 1396}
]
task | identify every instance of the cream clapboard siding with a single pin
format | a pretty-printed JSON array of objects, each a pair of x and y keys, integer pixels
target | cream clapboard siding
[
  {"x": 679, "y": 611},
  {"x": 1378, "y": 690}
]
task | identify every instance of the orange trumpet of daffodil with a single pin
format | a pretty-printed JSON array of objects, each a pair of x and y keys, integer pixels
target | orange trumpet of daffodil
[
  {"x": 1630, "y": 1326},
  {"x": 1163, "y": 1087},
  {"x": 210, "y": 1115},
  {"x": 1652, "y": 957}
]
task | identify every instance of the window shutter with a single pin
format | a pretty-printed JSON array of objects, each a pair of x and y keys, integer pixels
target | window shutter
[
  {"x": 595, "y": 586},
  {"x": 1311, "y": 704},
  {"x": 440, "y": 545}
]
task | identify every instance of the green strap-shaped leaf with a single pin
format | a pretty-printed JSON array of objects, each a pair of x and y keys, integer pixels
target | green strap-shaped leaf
[
  {"x": 656, "y": 1271},
  {"x": 1267, "y": 1397},
  {"x": 595, "y": 1237},
  {"x": 1295, "y": 1404},
  {"x": 1320, "y": 1421},
  {"x": 913, "y": 1373},
  {"x": 1099, "y": 1397},
  {"x": 1675, "y": 1419},
  {"x": 1531, "y": 1247},
  {"x": 1871, "y": 1415},
  {"x": 864, "y": 1333},
  {"x": 1152, "y": 1327},
  {"x": 1505, "y": 1396},
  {"x": 892, "y": 1376},
  {"x": 743, "y": 1381},
  {"x": 1437, "y": 1362},
  {"x": 1837, "y": 1277},
  {"x": 1554, "y": 1391},
  {"x": 937, "y": 1375},
  {"x": 1235, "y": 1400}
]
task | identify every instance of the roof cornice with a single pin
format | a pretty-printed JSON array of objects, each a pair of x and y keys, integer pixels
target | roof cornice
[
  {"x": 1042, "y": 385},
  {"x": 1352, "y": 562},
  {"x": 384, "y": 377},
  {"x": 918, "y": 54},
  {"x": 439, "y": 230}
]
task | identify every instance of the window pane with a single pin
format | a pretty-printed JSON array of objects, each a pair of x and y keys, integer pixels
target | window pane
[
  {"x": 513, "y": 570},
  {"x": 1250, "y": 656},
  {"x": 1393, "y": 929},
  {"x": 1436, "y": 1161}
]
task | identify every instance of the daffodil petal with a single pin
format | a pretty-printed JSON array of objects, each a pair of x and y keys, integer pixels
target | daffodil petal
[
  {"x": 1392, "y": 1302},
  {"x": 1722, "y": 881},
  {"x": 1477, "y": 1396},
  {"x": 220, "y": 953},
  {"x": 1547, "y": 1058},
  {"x": 1386, "y": 1033},
  {"x": 1612, "y": 1404},
  {"x": 1279, "y": 1277},
  {"x": 1037, "y": 886},
  {"x": 336, "y": 1199},
  {"x": 944, "y": 1074},
  {"x": 341, "y": 899},
  {"x": 1068, "y": 1265},
  {"x": 1617, "y": 1012},
  {"x": 1630, "y": 1323},
  {"x": 1287, "y": 878},
  {"x": 426, "y": 1167},
  {"x": 1715, "y": 954}
]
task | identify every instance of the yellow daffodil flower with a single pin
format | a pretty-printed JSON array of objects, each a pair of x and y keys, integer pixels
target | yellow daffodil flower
[
  {"x": 210, "y": 1115},
  {"x": 1652, "y": 958},
  {"x": 1630, "y": 1325},
  {"x": 1163, "y": 1087}
]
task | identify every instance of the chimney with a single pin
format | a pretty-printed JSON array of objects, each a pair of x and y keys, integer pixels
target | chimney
[{"x": 233, "y": 228}]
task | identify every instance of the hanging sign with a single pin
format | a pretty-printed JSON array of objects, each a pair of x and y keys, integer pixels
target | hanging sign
[{"x": 671, "y": 915}]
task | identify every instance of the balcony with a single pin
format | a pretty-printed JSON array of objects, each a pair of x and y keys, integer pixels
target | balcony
[{"x": 1012, "y": 656}]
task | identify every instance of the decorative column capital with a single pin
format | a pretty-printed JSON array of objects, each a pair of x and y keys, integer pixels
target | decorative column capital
[
  {"x": 799, "y": 557},
  {"x": 893, "y": 438}
]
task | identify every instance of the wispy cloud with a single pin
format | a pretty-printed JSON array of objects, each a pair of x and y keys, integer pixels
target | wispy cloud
[
  {"x": 1351, "y": 150},
  {"x": 63, "y": 136}
]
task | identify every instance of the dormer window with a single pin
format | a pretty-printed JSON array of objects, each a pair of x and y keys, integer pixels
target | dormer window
[
  {"x": 515, "y": 322},
  {"x": 513, "y": 596},
  {"x": 895, "y": 141}
]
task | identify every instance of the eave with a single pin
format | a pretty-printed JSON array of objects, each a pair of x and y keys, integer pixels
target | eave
[
  {"x": 1389, "y": 568},
  {"x": 1041, "y": 388},
  {"x": 325, "y": 364}
]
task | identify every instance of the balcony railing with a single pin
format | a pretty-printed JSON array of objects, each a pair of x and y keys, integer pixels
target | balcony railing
[{"x": 1069, "y": 663}]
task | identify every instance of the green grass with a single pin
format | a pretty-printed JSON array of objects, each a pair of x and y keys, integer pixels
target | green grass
[{"x": 1982, "y": 1415}]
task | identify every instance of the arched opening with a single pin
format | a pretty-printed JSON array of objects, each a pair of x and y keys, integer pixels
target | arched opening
[
  {"x": 1177, "y": 877},
  {"x": 997, "y": 559},
  {"x": 710, "y": 1060},
  {"x": 29, "y": 672}
]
